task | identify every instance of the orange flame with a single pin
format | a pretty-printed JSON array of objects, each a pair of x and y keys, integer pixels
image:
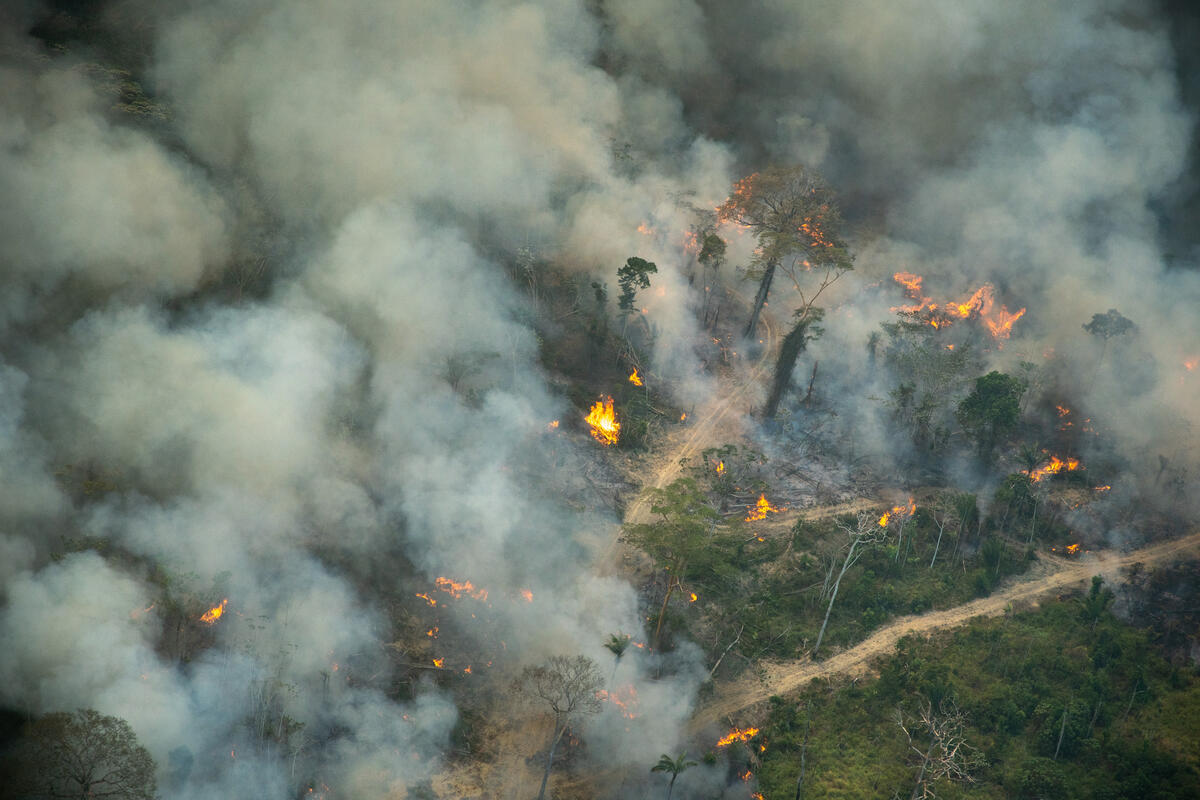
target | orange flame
[
  {"x": 898, "y": 511},
  {"x": 1072, "y": 549},
  {"x": 635, "y": 379},
  {"x": 528, "y": 595},
  {"x": 1103, "y": 488},
  {"x": 624, "y": 698},
  {"x": 1063, "y": 410},
  {"x": 553, "y": 424},
  {"x": 737, "y": 735},
  {"x": 213, "y": 614},
  {"x": 910, "y": 282},
  {"x": 695, "y": 596},
  {"x": 432, "y": 632},
  {"x": 1055, "y": 466},
  {"x": 457, "y": 590},
  {"x": 682, "y": 417},
  {"x": 1000, "y": 324},
  {"x": 645, "y": 230},
  {"x": 437, "y": 662},
  {"x": 720, "y": 467},
  {"x": 603, "y": 421},
  {"x": 427, "y": 598},
  {"x": 1191, "y": 363},
  {"x": 760, "y": 509},
  {"x": 747, "y": 775}
]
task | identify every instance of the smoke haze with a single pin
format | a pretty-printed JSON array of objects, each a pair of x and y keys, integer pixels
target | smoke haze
[{"x": 263, "y": 340}]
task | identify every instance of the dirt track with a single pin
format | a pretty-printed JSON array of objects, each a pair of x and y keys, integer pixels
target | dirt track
[{"x": 1059, "y": 574}]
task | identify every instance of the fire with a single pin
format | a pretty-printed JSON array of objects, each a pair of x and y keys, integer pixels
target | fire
[
  {"x": 910, "y": 282},
  {"x": 1055, "y": 466},
  {"x": 694, "y": 596},
  {"x": 213, "y": 614},
  {"x": 760, "y": 509},
  {"x": 467, "y": 669},
  {"x": 1191, "y": 363},
  {"x": 635, "y": 379},
  {"x": 432, "y": 632},
  {"x": 691, "y": 242},
  {"x": 528, "y": 595},
  {"x": 603, "y": 421},
  {"x": 747, "y": 775},
  {"x": 980, "y": 304},
  {"x": 645, "y": 230},
  {"x": 553, "y": 424},
  {"x": 898, "y": 511},
  {"x": 437, "y": 662},
  {"x": 682, "y": 417},
  {"x": 457, "y": 590},
  {"x": 427, "y": 598},
  {"x": 1072, "y": 549},
  {"x": 1001, "y": 323},
  {"x": 1103, "y": 488},
  {"x": 138, "y": 612},
  {"x": 737, "y": 735},
  {"x": 624, "y": 698},
  {"x": 1063, "y": 410},
  {"x": 720, "y": 467}
]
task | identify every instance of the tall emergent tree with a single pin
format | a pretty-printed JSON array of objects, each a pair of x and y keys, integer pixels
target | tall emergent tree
[
  {"x": 792, "y": 212},
  {"x": 567, "y": 686},
  {"x": 992, "y": 410},
  {"x": 83, "y": 754}
]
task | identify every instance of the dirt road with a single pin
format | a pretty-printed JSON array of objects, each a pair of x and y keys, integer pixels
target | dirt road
[{"x": 1056, "y": 574}]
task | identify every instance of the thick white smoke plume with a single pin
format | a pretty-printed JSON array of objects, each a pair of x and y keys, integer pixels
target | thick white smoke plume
[{"x": 261, "y": 342}]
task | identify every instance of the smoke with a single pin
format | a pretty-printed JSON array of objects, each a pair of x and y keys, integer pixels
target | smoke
[{"x": 263, "y": 343}]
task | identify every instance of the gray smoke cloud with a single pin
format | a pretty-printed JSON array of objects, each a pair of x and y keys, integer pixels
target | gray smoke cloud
[{"x": 368, "y": 413}]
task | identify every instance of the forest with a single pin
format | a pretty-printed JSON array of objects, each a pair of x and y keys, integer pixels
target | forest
[{"x": 591, "y": 399}]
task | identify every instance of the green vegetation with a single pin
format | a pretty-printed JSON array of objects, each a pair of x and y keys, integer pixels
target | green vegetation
[
  {"x": 771, "y": 589},
  {"x": 1065, "y": 702}
]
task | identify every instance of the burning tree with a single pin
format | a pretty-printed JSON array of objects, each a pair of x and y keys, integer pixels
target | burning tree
[
  {"x": 568, "y": 687},
  {"x": 83, "y": 754},
  {"x": 796, "y": 223},
  {"x": 865, "y": 532},
  {"x": 938, "y": 740}
]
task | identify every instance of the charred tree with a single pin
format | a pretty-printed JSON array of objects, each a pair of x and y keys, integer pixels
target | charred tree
[
  {"x": 804, "y": 331},
  {"x": 796, "y": 223},
  {"x": 567, "y": 686}
]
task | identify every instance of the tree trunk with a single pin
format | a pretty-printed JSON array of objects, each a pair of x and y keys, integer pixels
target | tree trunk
[
  {"x": 920, "y": 780},
  {"x": 671, "y": 785},
  {"x": 561, "y": 728},
  {"x": 1061, "y": 732},
  {"x": 937, "y": 546},
  {"x": 760, "y": 299},
  {"x": 833, "y": 597},
  {"x": 803, "y": 753},
  {"x": 793, "y": 345}
]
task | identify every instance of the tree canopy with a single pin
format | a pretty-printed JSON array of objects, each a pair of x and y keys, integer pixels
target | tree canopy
[{"x": 991, "y": 410}]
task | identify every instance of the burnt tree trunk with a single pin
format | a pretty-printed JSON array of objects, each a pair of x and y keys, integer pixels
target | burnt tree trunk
[
  {"x": 793, "y": 345},
  {"x": 760, "y": 299}
]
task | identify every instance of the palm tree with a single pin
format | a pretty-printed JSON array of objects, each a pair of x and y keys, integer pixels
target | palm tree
[
  {"x": 617, "y": 644},
  {"x": 673, "y": 766}
]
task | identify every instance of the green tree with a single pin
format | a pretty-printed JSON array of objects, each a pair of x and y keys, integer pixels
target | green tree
[
  {"x": 686, "y": 520},
  {"x": 991, "y": 410},
  {"x": 633, "y": 276},
  {"x": 617, "y": 644},
  {"x": 83, "y": 754},
  {"x": 567, "y": 686},
  {"x": 674, "y": 766},
  {"x": 863, "y": 533}
]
